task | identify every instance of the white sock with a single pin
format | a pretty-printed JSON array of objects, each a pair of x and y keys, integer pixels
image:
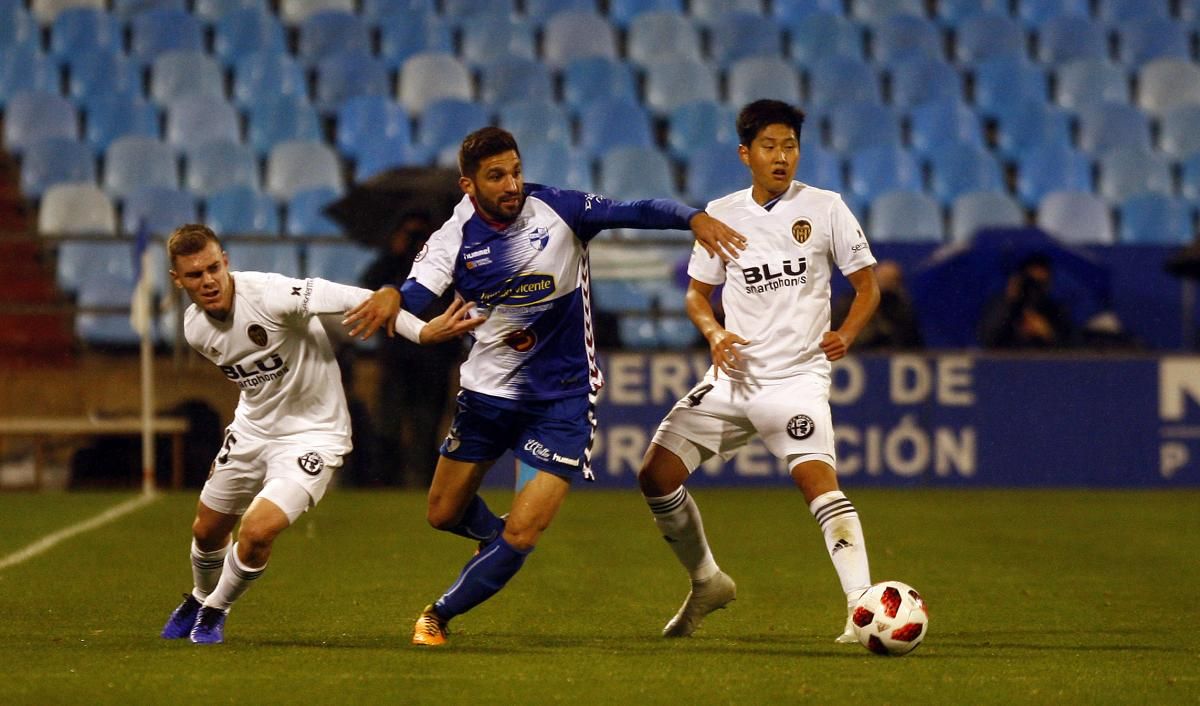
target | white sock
[
  {"x": 844, "y": 541},
  {"x": 206, "y": 570},
  {"x": 678, "y": 519},
  {"x": 235, "y": 579}
]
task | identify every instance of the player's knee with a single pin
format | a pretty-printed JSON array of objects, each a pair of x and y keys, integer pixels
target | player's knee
[
  {"x": 661, "y": 473},
  {"x": 523, "y": 539},
  {"x": 209, "y": 536},
  {"x": 441, "y": 518},
  {"x": 257, "y": 537}
]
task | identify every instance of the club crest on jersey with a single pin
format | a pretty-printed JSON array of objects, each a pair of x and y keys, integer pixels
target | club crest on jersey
[
  {"x": 800, "y": 426},
  {"x": 311, "y": 463},
  {"x": 421, "y": 255},
  {"x": 521, "y": 341},
  {"x": 539, "y": 237},
  {"x": 801, "y": 231},
  {"x": 257, "y": 334}
]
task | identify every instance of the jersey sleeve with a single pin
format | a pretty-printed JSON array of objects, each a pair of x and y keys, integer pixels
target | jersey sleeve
[
  {"x": 705, "y": 268},
  {"x": 433, "y": 268},
  {"x": 588, "y": 214},
  {"x": 851, "y": 251},
  {"x": 288, "y": 297}
]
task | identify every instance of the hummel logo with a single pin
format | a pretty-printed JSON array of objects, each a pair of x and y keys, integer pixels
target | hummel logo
[
  {"x": 839, "y": 545},
  {"x": 295, "y": 291}
]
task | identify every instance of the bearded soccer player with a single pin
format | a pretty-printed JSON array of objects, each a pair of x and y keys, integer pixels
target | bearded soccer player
[
  {"x": 771, "y": 358},
  {"x": 291, "y": 427},
  {"x": 519, "y": 250}
]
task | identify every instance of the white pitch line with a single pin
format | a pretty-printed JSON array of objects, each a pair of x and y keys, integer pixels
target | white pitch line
[{"x": 49, "y": 541}]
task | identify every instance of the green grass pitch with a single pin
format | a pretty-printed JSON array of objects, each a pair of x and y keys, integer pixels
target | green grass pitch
[{"x": 1035, "y": 597}]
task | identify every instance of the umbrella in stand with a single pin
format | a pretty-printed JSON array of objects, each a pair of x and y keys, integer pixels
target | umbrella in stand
[{"x": 372, "y": 210}]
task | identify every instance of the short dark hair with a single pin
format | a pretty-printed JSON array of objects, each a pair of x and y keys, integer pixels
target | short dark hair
[
  {"x": 756, "y": 116},
  {"x": 481, "y": 144},
  {"x": 189, "y": 239}
]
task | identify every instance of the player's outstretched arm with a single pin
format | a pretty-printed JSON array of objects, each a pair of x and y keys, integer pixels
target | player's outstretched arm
[
  {"x": 717, "y": 239},
  {"x": 454, "y": 322},
  {"x": 722, "y": 343},
  {"x": 837, "y": 343},
  {"x": 379, "y": 309}
]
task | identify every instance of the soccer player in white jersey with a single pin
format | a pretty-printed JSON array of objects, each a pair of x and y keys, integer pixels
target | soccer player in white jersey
[
  {"x": 529, "y": 384},
  {"x": 291, "y": 427},
  {"x": 771, "y": 358}
]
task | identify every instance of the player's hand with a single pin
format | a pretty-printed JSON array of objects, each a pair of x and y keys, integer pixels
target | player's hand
[
  {"x": 717, "y": 239},
  {"x": 455, "y": 321},
  {"x": 379, "y": 309},
  {"x": 725, "y": 354},
  {"x": 835, "y": 345}
]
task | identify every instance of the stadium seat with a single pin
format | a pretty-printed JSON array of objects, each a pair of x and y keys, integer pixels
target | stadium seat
[
  {"x": 714, "y": 171},
  {"x": 901, "y": 36},
  {"x": 515, "y": 78},
  {"x": 594, "y": 78},
  {"x": 156, "y": 32},
  {"x": 756, "y": 77},
  {"x": 1163, "y": 83},
  {"x": 100, "y": 328},
  {"x": 83, "y": 29},
  {"x": 875, "y": 12},
  {"x": 939, "y": 124},
  {"x": 878, "y": 169},
  {"x": 364, "y": 120},
  {"x": 1029, "y": 123},
  {"x": 32, "y": 116},
  {"x": 677, "y": 332},
  {"x": 259, "y": 75},
  {"x": 539, "y": 11},
  {"x": 1049, "y": 167},
  {"x": 957, "y": 169},
  {"x": 461, "y": 13},
  {"x": 279, "y": 118},
  {"x": 196, "y": 119},
  {"x": 1128, "y": 171},
  {"x": 818, "y": 167},
  {"x": 185, "y": 72},
  {"x": 328, "y": 32},
  {"x": 739, "y": 34},
  {"x": 920, "y": 79},
  {"x": 1109, "y": 125},
  {"x": 1036, "y": 13},
  {"x": 426, "y": 78},
  {"x": 245, "y": 31},
  {"x": 1148, "y": 38},
  {"x": 836, "y": 80},
  {"x": 629, "y": 173},
  {"x": 78, "y": 260},
  {"x": 1118, "y": 12},
  {"x": 339, "y": 262},
  {"x": 17, "y": 26},
  {"x": 416, "y": 34},
  {"x": 76, "y": 209},
  {"x": 533, "y": 120},
  {"x": 853, "y": 126},
  {"x": 242, "y": 210},
  {"x": 446, "y": 122},
  {"x": 1154, "y": 219},
  {"x": 699, "y": 125},
  {"x": 556, "y": 164},
  {"x": 127, "y": 9},
  {"x": 216, "y": 166},
  {"x": 55, "y": 160},
  {"x": 653, "y": 36},
  {"x": 496, "y": 37},
  {"x": 976, "y": 210},
  {"x": 293, "y": 12},
  {"x": 987, "y": 35},
  {"x": 1087, "y": 82},
  {"x": 161, "y": 209},
  {"x": 281, "y": 258},
  {"x": 620, "y": 296},
  {"x": 623, "y": 12},
  {"x": 1076, "y": 217},
  {"x": 46, "y": 11},
  {"x": 951, "y": 13},
  {"x": 1069, "y": 38},
  {"x": 1179, "y": 130},
  {"x": 387, "y": 153},
  {"x": 24, "y": 69},
  {"x": 1006, "y": 81},
  {"x": 94, "y": 76},
  {"x": 905, "y": 216},
  {"x": 825, "y": 34},
  {"x": 614, "y": 122},
  {"x": 297, "y": 165},
  {"x": 349, "y": 74},
  {"x": 671, "y": 83},
  {"x": 710, "y": 12},
  {"x": 213, "y": 11},
  {"x": 575, "y": 35},
  {"x": 304, "y": 213},
  {"x": 134, "y": 161}
]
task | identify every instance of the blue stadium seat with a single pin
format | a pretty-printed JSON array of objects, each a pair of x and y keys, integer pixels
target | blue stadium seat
[
  {"x": 99, "y": 73},
  {"x": 699, "y": 125},
  {"x": 835, "y": 80},
  {"x": 1179, "y": 130},
  {"x": 426, "y": 78},
  {"x": 339, "y": 262},
  {"x": 905, "y": 216},
  {"x": 243, "y": 32},
  {"x": 23, "y": 68},
  {"x": 213, "y": 11},
  {"x": 1163, "y": 83},
  {"x": 614, "y": 122},
  {"x": 241, "y": 210},
  {"x": 739, "y": 34},
  {"x": 496, "y": 37},
  {"x": 1076, "y": 217},
  {"x": 297, "y": 165},
  {"x": 950, "y": 13},
  {"x": 415, "y": 34},
  {"x": 756, "y": 77},
  {"x": 83, "y": 29},
  {"x": 114, "y": 115},
  {"x": 875, "y": 12},
  {"x": 902, "y": 36},
  {"x": 824, "y": 34},
  {"x": 76, "y": 209},
  {"x": 1189, "y": 178},
  {"x": 1087, "y": 82},
  {"x": 920, "y": 79},
  {"x": 1117, "y": 12},
  {"x": 533, "y": 120},
  {"x": 853, "y": 126},
  {"x": 515, "y": 78},
  {"x": 330, "y": 32},
  {"x": 1050, "y": 167},
  {"x": 819, "y": 167},
  {"x": 1107, "y": 126},
  {"x": 976, "y": 210},
  {"x": 56, "y": 160},
  {"x": 158, "y": 31},
  {"x": 620, "y": 295},
  {"x": 161, "y": 209},
  {"x": 80, "y": 259},
  {"x": 957, "y": 169},
  {"x": 278, "y": 118},
  {"x": 879, "y": 169},
  {"x": 282, "y": 258},
  {"x": 1070, "y": 37},
  {"x": 304, "y": 213},
  {"x": 362, "y": 121},
  {"x": 623, "y": 12},
  {"x": 184, "y": 72},
  {"x": 446, "y": 122},
  {"x": 134, "y": 161},
  {"x": 638, "y": 332},
  {"x": 349, "y": 74},
  {"x": 105, "y": 329},
  {"x": 714, "y": 171},
  {"x": 1029, "y": 123},
  {"x": 196, "y": 119},
  {"x": 629, "y": 173},
  {"x": 541, "y": 10},
  {"x": 1035, "y": 13},
  {"x": 939, "y": 124},
  {"x": 1154, "y": 219},
  {"x": 461, "y": 13},
  {"x": 216, "y": 166},
  {"x": 293, "y": 12},
  {"x": 45, "y": 11},
  {"x": 32, "y": 116},
  {"x": 593, "y": 78},
  {"x": 575, "y": 35},
  {"x": 1148, "y": 38},
  {"x": 662, "y": 35},
  {"x": 265, "y": 73},
  {"x": 1127, "y": 171},
  {"x": 988, "y": 35},
  {"x": 671, "y": 83},
  {"x": 676, "y": 332},
  {"x": 387, "y": 153},
  {"x": 791, "y": 14},
  {"x": 127, "y": 9},
  {"x": 17, "y": 26},
  {"x": 556, "y": 164},
  {"x": 1006, "y": 81}
]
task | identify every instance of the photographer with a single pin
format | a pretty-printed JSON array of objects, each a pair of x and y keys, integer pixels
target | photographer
[{"x": 1025, "y": 315}]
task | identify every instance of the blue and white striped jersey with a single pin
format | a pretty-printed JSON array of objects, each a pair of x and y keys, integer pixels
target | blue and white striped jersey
[{"x": 530, "y": 278}]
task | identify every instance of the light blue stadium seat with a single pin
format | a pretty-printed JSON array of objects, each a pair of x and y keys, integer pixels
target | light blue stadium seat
[
  {"x": 297, "y": 165},
  {"x": 920, "y": 79},
  {"x": 178, "y": 73},
  {"x": 76, "y": 209},
  {"x": 662, "y": 35},
  {"x": 976, "y": 210},
  {"x": 388, "y": 153},
  {"x": 259, "y": 75},
  {"x": 242, "y": 210},
  {"x": 78, "y": 260},
  {"x": 875, "y": 12},
  {"x": 339, "y": 262},
  {"x": 160, "y": 208},
  {"x": 594, "y": 78},
  {"x": 671, "y": 83},
  {"x": 23, "y": 68},
  {"x": 714, "y": 171},
  {"x": 213, "y": 11},
  {"x": 950, "y": 13},
  {"x": 415, "y": 34},
  {"x": 675, "y": 332},
  {"x": 215, "y": 166},
  {"x": 94, "y": 76},
  {"x": 17, "y": 26},
  {"x": 362, "y": 121},
  {"x": 836, "y": 80},
  {"x": 305, "y": 216},
  {"x": 32, "y": 116},
  {"x": 575, "y": 35},
  {"x": 699, "y": 125},
  {"x": 55, "y": 160},
  {"x": 514, "y": 78},
  {"x": 494, "y": 37},
  {"x": 426, "y": 78},
  {"x": 134, "y": 161},
  {"x": 1050, "y": 167},
  {"x": 128, "y": 9},
  {"x": 196, "y": 119},
  {"x": 739, "y": 34},
  {"x": 905, "y": 216},
  {"x": 638, "y": 332},
  {"x": 853, "y": 126},
  {"x": 824, "y": 34},
  {"x": 939, "y": 124},
  {"x": 1069, "y": 38},
  {"x": 83, "y": 29},
  {"x": 1189, "y": 178},
  {"x": 1107, "y": 126},
  {"x": 279, "y": 118},
  {"x": 818, "y": 167},
  {"x": 791, "y": 14},
  {"x": 348, "y": 74},
  {"x": 461, "y": 13},
  {"x": 556, "y": 164},
  {"x": 539, "y": 11},
  {"x": 1087, "y": 82},
  {"x": 957, "y": 169},
  {"x": 44, "y": 11},
  {"x": 614, "y": 122},
  {"x": 1179, "y": 130},
  {"x": 155, "y": 32},
  {"x": 620, "y": 295},
  {"x": 1035, "y": 13},
  {"x": 1117, "y": 12},
  {"x": 756, "y": 77},
  {"x": 903, "y": 36},
  {"x": 1154, "y": 219},
  {"x": 1026, "y": 124},
  {"x": 533, "y": 120},
  {"x": 293, "y": 12},
  {"x": 330, "y": 32},
  {"x": 99, "y": 328},
  {"x": 1127, "y": 171},
  {"x": 1076, "y": 217},
  {"x": 623, "y": 12},
  {"x": 1163, "y": 83},
  {"x": 244, "y": 31},
  {"x": 988, "y": 35},
  {"x": 281, "y": 258},
  {"x": 446, "y": 122},
  {"x": 710, "y": 12},
  {"x": 879, "y": 169},
  {"x": 629, "y": 173},
  {"x": 1006, "y": 81},
  {"x": 1145, "y": 39}
]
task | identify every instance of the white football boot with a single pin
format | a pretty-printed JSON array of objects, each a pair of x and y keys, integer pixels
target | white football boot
[{"x": 705, "y": 597}]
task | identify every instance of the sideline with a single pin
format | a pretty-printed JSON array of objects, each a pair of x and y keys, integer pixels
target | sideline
[{"x": 49, "y": 541}]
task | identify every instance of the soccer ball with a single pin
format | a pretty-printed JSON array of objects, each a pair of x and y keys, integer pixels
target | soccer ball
[{"x": 890, "y": 618}]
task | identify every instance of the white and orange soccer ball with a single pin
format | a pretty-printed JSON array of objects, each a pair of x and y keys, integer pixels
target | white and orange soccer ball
[{"x": 890, "y": 618}]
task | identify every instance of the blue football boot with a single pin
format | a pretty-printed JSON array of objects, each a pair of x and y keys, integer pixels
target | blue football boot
[
  {"x": 210, "y": 627},
  {"x": 182, "y": 618}
]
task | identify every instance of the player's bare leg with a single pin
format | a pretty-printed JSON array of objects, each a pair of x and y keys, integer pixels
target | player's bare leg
[
  {"x": 454, "y": 504},
  {"x": 678, "y": 519},
  {"x": 211, "y": 531}
]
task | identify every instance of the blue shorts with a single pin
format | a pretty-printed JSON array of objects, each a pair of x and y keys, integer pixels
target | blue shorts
[{"x": 550, "y": 435}]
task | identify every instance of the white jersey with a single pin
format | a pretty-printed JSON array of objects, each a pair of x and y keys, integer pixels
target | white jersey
[
  {"x": 777, "y": 291},
  {"x": 275, "y": 349}
]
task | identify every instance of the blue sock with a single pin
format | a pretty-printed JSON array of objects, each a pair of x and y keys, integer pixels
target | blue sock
[
  {"x": 483, "y": 576},
  {"x": 478, "y": 522}
]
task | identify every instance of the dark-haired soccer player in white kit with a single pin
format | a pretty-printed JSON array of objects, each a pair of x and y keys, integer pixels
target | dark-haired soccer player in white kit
[
  {"x": 771, "y": 359},
  {"x": 291, "y": 427}
]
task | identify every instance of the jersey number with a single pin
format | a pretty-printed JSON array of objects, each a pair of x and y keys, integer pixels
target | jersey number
[
  {"x": 226, "y": 447},
  {"x": 695, "y": 396}
]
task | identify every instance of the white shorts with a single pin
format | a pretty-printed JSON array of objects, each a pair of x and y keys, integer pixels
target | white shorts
[
  {"x": 246, "y": 464},
  {"x": 720, "y": 416}
]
